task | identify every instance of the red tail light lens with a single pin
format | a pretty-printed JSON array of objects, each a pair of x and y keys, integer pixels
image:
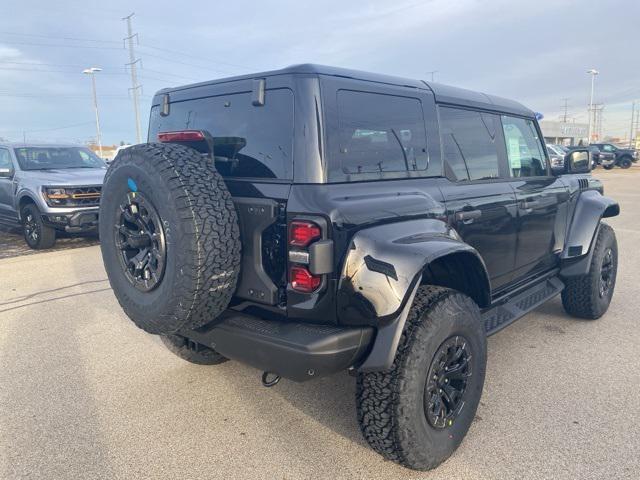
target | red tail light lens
[
  {"x": 181, "y": 136},
  {"x": 302, "y": 233},
  {"x": 302, "y": 280}
]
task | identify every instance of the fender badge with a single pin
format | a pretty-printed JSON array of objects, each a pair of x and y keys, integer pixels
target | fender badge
[{"x": 132, "y": 185}]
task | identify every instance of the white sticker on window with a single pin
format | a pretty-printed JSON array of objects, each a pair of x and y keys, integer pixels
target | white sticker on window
[{"x": 514, "y": 153}]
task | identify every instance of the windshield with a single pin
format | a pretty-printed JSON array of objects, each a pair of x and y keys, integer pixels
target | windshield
[{"x": 56, "y": 158}]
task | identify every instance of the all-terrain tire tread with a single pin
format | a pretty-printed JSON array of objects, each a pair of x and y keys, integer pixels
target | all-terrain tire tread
[
  {"x": 579, "y": 295},
  {"x": 208, "y": 250},
  {"x": 377, "y": 404}
]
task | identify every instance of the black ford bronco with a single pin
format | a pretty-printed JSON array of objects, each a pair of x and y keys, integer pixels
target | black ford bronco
[{"x": 313, "y": 219}]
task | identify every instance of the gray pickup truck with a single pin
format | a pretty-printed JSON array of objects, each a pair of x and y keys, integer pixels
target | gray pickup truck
[{"x": 49, "y": 188}]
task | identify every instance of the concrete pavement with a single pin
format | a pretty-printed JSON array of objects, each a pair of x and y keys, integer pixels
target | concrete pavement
[{"x": 85, "y": 394}]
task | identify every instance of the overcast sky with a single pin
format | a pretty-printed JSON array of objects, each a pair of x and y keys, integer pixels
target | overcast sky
[{"x": 536, "y": 52}]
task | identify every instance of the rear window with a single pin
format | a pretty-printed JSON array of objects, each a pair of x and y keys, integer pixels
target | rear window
[
  {"x": 377, "y": 134},
  {"x": 250, "y": 141}
]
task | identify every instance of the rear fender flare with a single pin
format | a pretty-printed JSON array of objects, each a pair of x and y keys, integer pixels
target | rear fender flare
[{"x": 384, "y": 263}]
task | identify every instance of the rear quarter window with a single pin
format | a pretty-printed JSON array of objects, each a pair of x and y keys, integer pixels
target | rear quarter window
[
  {"x": 251, "y": 141},
  {"x": 377, "y": 134}
]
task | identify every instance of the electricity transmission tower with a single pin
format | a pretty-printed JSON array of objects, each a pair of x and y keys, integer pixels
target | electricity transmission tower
[{"x": 133, "y": 65}]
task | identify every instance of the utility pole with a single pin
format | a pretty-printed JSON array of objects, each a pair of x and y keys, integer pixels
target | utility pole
[
  {"x": 597, "y": 120},
  {"x": 593, "y": 72},
  {"x": 133, "y": 61},
  {"x": 633, "y": 116},
  {"x": 565, "y": 106},
  {"x": 433, "y": 73},
  {"x": 92, "y": 72}
]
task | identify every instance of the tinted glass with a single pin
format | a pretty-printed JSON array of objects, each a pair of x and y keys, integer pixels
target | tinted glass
[
  {"x": 378, "y": 133},
  {"x": 469, "y": 144},
  {"x": 608, "y": 148},
  {"x": 249, "y": 141},
  {"x": 524, "y": 148},
  {"x": 5, "y": 159},
  {"x": 57, "y": 158}
]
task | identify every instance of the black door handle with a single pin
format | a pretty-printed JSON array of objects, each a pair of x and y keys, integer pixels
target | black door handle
[{"x": 468, "y": 216}]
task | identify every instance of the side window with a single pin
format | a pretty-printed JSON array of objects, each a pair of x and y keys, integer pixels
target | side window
[
  {"x": 524, "y": 149},
  {"x": 378, "y": 133},
  {"x": 608, "y": 148},
  {"x": 469, "y": 144},
  {"x": 5, "y": 159}
]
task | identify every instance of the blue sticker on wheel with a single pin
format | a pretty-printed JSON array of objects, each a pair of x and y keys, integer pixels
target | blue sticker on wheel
[{"x": 133, "y": 186}]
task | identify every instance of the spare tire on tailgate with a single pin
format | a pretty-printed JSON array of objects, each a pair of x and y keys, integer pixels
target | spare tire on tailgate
[{"x": 169, "y": 237}]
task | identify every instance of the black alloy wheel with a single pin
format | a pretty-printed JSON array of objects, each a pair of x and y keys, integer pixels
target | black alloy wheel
[
  {"x": 31, "y": 228},
  {"x": 449, "y": 374},
  {"x": 141, "y": 241},
  {"x": 606, "y": 274}
]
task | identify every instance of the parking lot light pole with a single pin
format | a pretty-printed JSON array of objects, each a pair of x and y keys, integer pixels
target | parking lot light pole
[
  {"x": 593, "y": 72},
  {"x": 92, "y": 71}
]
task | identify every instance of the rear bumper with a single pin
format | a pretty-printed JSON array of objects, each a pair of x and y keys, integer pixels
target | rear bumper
[{"x": 298, "y": 351}]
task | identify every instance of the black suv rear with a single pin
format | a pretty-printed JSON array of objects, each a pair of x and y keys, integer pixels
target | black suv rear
[{"x": 313, "y": 219}]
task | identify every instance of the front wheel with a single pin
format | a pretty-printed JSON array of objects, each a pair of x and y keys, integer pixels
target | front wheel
[
  {"x": 417, "y": 412},
  {"x": 588, "y": 296},
  {"x": 37, "y": 235}
]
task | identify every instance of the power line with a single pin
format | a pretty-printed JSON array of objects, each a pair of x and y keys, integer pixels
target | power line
[
  {"x": 53, "y": 37},
  {"x": 195, "y": 57},
  {"x": 170, "y": 60},
  {"x": 60, "y": 45},
  {"x": 49, "y": 129}
]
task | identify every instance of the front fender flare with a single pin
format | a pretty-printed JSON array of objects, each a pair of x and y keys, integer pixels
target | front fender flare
[{"x": 590, "y": 209}]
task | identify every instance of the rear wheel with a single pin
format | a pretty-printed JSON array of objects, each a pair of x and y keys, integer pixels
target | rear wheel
[
  {"x": 417, "y": 412},
  {"x": 169, "y": 237},
  {"x": 37, "y": 235},
  {"x": 588, "y": 296},
  {"x": 191, "y": 351}
]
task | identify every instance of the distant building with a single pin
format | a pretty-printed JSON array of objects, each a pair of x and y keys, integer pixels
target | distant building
[
  {"x": 108, "y": 151},
  {"x": 564, "y": 133}
]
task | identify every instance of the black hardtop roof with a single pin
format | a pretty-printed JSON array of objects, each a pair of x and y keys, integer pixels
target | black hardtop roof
[{"x": 442, "y": 93}]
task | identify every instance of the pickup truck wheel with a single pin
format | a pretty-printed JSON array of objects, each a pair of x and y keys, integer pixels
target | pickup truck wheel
[
  {"x": 588, "y": 296},
  {"x": 170, "y": 238},
  {"x": 192, "y": 352},
  {"x": 625, "y": 162},
  {"x": 417, "y": 412},
  {"x": 37, "y": 235}
]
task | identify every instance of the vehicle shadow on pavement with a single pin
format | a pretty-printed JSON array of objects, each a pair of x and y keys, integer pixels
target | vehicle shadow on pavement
[
  {"x": 330, "y": 401},
  {"x": 12, "y": 243}
]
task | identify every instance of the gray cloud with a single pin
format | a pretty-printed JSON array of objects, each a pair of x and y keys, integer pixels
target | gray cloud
[{"x": 535, "y": 52}]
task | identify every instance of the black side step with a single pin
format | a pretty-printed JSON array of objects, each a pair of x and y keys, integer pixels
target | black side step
[{"x": 499, "y": 316}]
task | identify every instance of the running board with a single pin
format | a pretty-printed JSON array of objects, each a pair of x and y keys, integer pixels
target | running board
[{"x": 510, "y": 310}]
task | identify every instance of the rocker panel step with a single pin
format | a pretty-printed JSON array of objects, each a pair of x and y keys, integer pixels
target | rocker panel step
[{"x": 499, "y": 316}]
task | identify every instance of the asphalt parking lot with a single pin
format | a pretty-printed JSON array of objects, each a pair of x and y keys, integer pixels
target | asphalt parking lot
[{"x": 85, "y": 394}]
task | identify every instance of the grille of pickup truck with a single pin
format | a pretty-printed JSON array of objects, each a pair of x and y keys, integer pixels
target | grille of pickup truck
[{"x": 84, "y": 196}]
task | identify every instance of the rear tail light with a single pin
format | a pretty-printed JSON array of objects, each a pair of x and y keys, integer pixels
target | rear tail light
[
  {"x": 181, "y": 136},
  {"x": 302, "y": 233},
  {"x": 302, "y": 280}
]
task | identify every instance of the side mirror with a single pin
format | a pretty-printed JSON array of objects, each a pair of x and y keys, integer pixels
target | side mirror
[
  {"x": 578, "y": 161},
  {"x": 6, "y": 173}
]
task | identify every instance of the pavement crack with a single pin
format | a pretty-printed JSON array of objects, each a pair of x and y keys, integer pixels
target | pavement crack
[
  {"x": 54, "y": 299},
  {"x": 42, "y": 292}
]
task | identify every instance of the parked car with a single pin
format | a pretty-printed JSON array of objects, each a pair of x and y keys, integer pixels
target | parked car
[
  {"x": 556, "y": 154},
  {"x": 49, "y": 188},
  {"x": 376, "y": 224},
  {"x": 623, "y": 157},
  {"x": 598, "y": 157}
]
